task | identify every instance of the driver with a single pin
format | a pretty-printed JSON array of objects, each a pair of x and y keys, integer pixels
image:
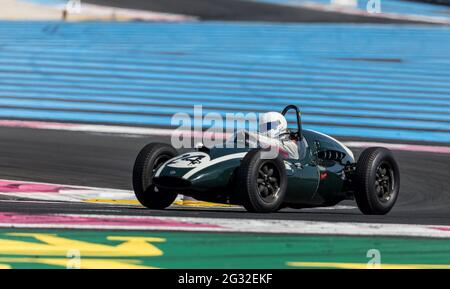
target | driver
[{"x": 274, "y": 125}]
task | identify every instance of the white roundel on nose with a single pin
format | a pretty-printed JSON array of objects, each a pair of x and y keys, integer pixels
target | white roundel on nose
[
  {"x": 189, "y": 160},
  {"x": 272, "y": 124}
]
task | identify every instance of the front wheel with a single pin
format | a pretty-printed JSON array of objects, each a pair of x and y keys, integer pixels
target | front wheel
[
  {"x": 377, "y": 181},
  {"x": 261, "y": 183},
  {"x": 149, "y": 160}
]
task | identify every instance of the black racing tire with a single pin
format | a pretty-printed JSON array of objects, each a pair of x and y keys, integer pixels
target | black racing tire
[
  {"x": 150, "y": 158},
  {"x": 377, "y": 181},
  {"x": 261, "y": 183}
]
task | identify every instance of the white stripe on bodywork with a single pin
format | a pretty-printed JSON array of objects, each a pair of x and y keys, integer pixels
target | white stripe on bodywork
[
  {"x": 213, "y": 162},
  {"x": 158, "y": 172}
]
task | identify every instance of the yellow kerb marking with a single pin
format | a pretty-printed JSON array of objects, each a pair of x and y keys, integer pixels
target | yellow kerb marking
[
  {"x": 53, "y": 245},
  {"x": 187, "y": 203},
  {"x": 365, "y": 266},
  {"x": 112, "y": 201},
  {"x": 84, "y": 263},
  {"x": 194, "y": 203}
]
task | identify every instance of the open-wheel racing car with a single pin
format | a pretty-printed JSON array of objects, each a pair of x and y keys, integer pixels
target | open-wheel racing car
[{"x": 324, "y": 174}]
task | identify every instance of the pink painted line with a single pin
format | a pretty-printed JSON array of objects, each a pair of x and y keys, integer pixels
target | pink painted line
[
  {"x": 110, "y": 129},
  {"x": 13, "y": 218},
  {"x": 24, "y": 187},
  {"x": 135, "y": 14},
  {"x": 445, "y": 229},
  {"x": 35, "y": 124}
]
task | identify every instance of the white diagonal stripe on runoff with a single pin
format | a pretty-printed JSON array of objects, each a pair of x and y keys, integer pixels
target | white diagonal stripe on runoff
[{"x": 58, "y": 192}]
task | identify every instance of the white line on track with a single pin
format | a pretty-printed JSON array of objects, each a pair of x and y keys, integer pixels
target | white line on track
[
  {"x": 110, "y": 222},
  {"x": 145, "y": 132},
  {"x": 92, "y": 220}
]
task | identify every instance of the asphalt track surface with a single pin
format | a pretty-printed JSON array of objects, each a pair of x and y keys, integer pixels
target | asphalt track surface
[
  {"x": 106, "y": 161},
  {"x": 241, "y": 10}
]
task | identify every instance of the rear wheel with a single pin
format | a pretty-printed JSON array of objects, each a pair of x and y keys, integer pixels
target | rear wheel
[
  {"x": 261, "y": 183},
  {"x": 149, "y": 160},
  {"x": 377, "y": 181}
]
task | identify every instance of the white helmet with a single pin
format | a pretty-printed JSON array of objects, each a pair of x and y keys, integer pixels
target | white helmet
[{"x": 272, "y": 124}]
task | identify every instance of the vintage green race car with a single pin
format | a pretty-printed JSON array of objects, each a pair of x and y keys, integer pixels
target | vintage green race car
[{"x": 325, "y": 174}]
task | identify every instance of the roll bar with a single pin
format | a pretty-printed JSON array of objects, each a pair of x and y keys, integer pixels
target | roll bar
[{"x": 299, "y": 118}]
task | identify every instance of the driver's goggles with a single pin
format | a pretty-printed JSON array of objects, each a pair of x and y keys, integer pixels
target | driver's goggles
[{"x": 269, "y": 126}]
